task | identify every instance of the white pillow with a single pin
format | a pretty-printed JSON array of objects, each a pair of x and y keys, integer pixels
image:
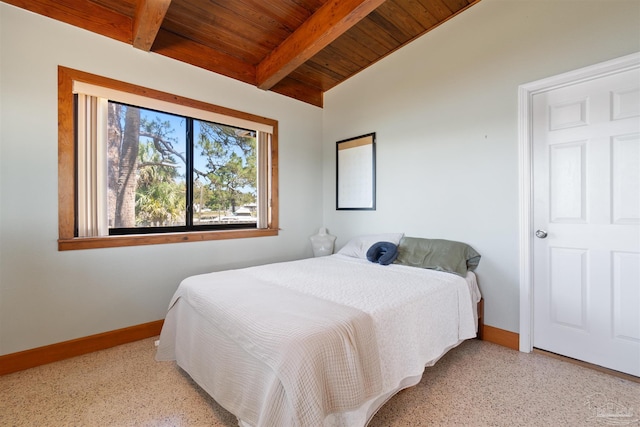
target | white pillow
[{"x": 358, "y": 246}]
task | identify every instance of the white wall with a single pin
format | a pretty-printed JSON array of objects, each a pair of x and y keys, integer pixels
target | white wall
[
  {"x": 48, "y": 296},
  {"x": 444, "y": 109},
  {"x": 445, "y": 112}
]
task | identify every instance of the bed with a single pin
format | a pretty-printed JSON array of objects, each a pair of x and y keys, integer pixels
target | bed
[{"x": 322, "y": 341}]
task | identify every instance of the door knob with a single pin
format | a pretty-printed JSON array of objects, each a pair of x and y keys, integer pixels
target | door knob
[{"x": 541, "y": 234}]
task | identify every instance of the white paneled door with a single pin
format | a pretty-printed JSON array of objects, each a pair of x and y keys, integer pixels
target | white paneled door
[{"x": 586, "y": 219}]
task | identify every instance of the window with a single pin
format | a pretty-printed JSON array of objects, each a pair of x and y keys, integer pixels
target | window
[{"x": 138, "y": 166}]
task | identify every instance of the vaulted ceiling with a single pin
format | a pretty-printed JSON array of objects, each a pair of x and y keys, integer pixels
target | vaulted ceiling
[{"x": 298, "y": 48}]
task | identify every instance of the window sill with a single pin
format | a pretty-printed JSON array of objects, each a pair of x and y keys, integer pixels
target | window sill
[{"x": 79, "y": 243}]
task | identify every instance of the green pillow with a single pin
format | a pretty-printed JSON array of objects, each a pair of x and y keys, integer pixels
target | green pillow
[{"x": 437, "y": 254}]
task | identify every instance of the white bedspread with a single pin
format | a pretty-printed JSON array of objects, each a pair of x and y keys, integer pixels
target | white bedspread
[{"x": 393, "y": 321}]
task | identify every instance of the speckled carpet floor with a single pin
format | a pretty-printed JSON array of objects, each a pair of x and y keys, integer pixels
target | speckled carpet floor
[{"x": 476, "y": 384}]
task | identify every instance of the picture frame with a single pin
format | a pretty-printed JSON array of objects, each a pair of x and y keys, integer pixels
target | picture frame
[{"x": 356, "y": 173}]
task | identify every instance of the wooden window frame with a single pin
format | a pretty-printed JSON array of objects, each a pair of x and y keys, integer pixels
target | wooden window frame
[{"x": 67, "y": 169}]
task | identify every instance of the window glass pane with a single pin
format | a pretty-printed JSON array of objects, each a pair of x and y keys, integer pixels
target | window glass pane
[
  {"x": 225, "y": 177},
  {"x": 146, "y": 168}
]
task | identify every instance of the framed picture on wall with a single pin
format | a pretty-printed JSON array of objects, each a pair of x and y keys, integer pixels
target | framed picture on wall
[{"x": 356, "y": 173}]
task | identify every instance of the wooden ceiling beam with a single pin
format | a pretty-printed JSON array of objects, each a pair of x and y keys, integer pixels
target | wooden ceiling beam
[
  {"x": 147, "y": 21},
  {"x": 327, "y": 24}
]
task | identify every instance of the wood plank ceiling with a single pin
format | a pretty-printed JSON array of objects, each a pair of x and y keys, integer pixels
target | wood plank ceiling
[{"x": 298, "y": 48}]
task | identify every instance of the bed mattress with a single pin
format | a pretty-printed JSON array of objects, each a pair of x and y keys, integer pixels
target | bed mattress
[{"x": 398, "y": 318}]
